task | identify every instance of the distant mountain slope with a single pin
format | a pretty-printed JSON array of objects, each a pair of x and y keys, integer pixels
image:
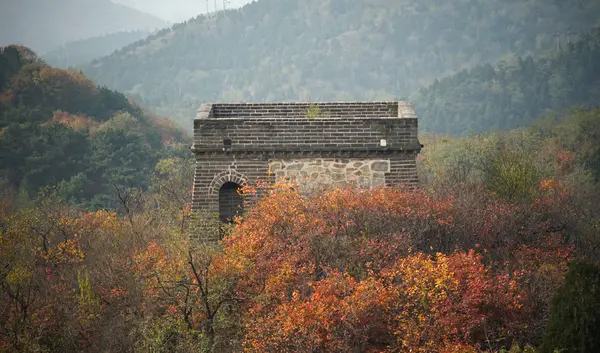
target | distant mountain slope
[
  {"x": 45, "y": 25},
  {"x": 515, "y": 92},
  {"x": 83, "y": 51},
  {"x": 180, "y": 10},
  {"x": 332, "y": 49},
  {"x": 57, "y": 128}
]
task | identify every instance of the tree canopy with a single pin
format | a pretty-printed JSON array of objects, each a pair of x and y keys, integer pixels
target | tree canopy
[
  {"x": 515, "y": 92},
  {"x": 59, "y": 129},
  {"x": 332, "y": 50}
]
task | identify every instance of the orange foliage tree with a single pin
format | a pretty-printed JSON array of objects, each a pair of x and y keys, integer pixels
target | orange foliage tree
[
  {"x": 380, "y": 270},
  {"x": 353, "y": 269}
]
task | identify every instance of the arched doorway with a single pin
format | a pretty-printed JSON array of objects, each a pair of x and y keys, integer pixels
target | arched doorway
[{"x": 231, "y": 203}]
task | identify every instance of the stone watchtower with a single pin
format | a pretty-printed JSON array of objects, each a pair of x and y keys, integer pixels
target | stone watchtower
[{"x": 333, "y": 144}]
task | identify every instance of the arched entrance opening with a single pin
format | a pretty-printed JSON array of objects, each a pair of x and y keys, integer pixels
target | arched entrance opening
[{"x": 231, "y": 203}]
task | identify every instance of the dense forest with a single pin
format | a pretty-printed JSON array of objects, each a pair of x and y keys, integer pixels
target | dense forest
[
  {"x": 332, "y": 50},
  {"x": 46, "y": 25},
  {"x": 498, "y": 250},
  {"x": 81, "y": 52},
  {"x": 58, "y": 129},
  {"x": 515, "y": 92}
]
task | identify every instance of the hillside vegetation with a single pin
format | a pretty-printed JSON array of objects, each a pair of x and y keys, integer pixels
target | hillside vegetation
[
  {"x": 46, "y": 25},
  {"x": 81, "y": 52},
  {"x": 496, "y": 251},
  {"x": 515, "y": 92},
  {"x": 332, "y": 50},
  {"x": 58, "y": 129},
  {"x": 469, "y": 263}
]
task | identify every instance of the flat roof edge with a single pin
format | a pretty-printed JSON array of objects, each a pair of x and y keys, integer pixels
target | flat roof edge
[{"x": 207, "y": 110}]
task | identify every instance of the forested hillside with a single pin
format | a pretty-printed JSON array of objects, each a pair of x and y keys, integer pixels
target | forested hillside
[
  {"x": 81, "y": 52},
  {"x": 45, "y": 25},
  {"x": 515, "y": 92},
  {"x": 332, "y": 50},
  {"x": 497, "y": 251},
  {"x": 59, "y": 129}
]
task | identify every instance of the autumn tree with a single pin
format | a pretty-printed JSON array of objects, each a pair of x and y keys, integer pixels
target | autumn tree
[{"x": 375, "y": 270}]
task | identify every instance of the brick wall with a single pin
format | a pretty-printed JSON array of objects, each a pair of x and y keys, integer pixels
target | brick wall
[
  {"x": 259, "y": 127},
  {"x": 260, "y": 133},
  {"x": 293, "y": 134},
  {"x": 295, "y": 110},
  {"x": 213, "y": 171}
]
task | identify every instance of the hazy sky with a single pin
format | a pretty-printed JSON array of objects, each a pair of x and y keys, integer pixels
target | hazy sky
[{"x": 179, "y": 10}]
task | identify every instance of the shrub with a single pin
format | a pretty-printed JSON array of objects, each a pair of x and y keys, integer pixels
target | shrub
[{"x": 574, "y": 322}]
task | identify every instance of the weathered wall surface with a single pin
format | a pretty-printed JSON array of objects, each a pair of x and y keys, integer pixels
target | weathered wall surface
[
  {"x": 367, "y": 144},
  {"x": 214, "y": 171},
  {"x": 321, "y": 110},
  {"x": 286, "y": 127},
  {"x": 327, "y": 172},
  {"x": 305, "y": 134}
]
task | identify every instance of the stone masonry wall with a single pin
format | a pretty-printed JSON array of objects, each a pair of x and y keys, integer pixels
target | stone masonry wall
[
  {"x": 366, "y": 144},
  {"x": 316, "y": 173}
]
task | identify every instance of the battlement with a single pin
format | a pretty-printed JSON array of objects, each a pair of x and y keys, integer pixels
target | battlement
[
  {"x": 341, "y": 127},
  {"x": 308, "y": 110}
]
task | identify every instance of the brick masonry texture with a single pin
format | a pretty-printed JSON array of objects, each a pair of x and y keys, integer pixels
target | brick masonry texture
[{"x": 240, "y": 142}]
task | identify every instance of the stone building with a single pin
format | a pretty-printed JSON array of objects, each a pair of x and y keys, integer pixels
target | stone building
[{"x": 317, "y": 144}]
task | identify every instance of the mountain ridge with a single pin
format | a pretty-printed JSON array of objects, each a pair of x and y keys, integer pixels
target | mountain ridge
[
  {"x": 44, "y": 25},
  {"x": 82, "y": 52},
  {"x": 514, "y": 92},
  {"x": 330, "y": 50}
]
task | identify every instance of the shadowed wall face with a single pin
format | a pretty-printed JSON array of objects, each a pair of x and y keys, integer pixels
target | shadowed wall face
[{"x": 317, "y": 144}]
